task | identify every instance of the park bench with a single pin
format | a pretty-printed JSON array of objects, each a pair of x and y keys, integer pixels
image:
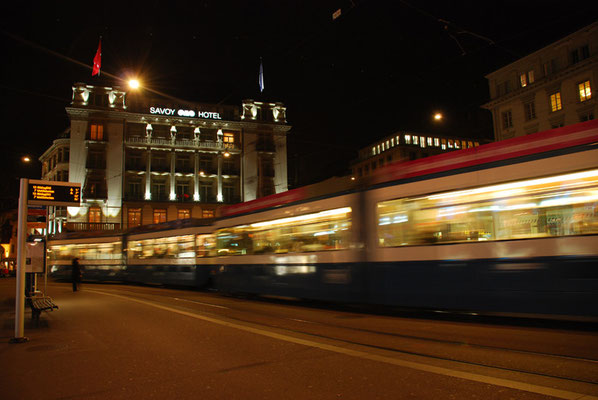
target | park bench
[{"x": 39, "y": 304}]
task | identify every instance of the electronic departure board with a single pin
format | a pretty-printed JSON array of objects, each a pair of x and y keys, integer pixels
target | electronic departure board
[{"x": 54, "y": 193}]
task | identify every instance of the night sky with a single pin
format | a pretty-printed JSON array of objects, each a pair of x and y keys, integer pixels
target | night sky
[{"x": 381, "y": 66}]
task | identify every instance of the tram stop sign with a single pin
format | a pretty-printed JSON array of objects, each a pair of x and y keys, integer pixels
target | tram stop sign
[{"x": 54, "y": 193}]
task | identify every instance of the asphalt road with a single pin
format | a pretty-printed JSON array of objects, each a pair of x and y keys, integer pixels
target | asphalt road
[{"x": 120, "y": 341}]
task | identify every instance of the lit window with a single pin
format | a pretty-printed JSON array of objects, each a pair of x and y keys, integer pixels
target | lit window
[
  {"x": 159, "y": 215},
  {"x": 422, "y": 141},
  {"x": 207, "y": 213},
  {"x": 183, "y": 214},
  {"x": 229, "y": 138},
  {"x": 382, "y": 146},
  {"x": 436, "y": 142},
  {"x": 555, "y": 102},
  {"x": 429, "y": 141},
  {"x": 463, "y": 144},
  {"x": 392, "y": 142},
  {"x": 96, "y": 132},
  {"x": 408, "y": 139},
  {"x": 456, "y": 144},
  {"x": 398, "y": 141},
  {"x": 134, "y": 217},
  {"x": 443, "y": 146},
  {"x": 95, "y": 214},
  {"x": 476, "y": 144},
  {"x": 450, "y": 143},
  {"x": 378, "y": 148},
  {"x": 374, "y": 150},
  {"x": 387, "y": 145},
  {"x": 585, "y": 91},
  {"x": 469, "y": 144},
  {"x": 415, "y": 140},
  {"x": 526, "y": 78}
]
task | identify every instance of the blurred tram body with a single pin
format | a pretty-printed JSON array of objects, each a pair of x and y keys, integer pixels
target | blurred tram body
[{"x": 508, "y": 227}]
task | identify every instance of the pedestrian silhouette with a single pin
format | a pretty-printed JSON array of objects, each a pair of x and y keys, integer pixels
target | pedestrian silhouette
[{"x": 76, "y": 273}]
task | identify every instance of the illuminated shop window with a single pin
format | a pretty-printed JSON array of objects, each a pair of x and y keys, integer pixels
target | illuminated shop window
[
  {"x": 159, "y": 215},
  {"x": 443, "y": 146},
  {"x": 429, "y": 141},
  {"x": 96, "y": 132},
  {"x": 450, "y": 143},
  {"x": 469, "y": 144},
  {"x": 585, "y": 91},
  {"x": 456, "y": 144},
  {"x": 436, "y": 142},
  {"x": 207, "y": 213},
  {"x": 408, "y": 139}
]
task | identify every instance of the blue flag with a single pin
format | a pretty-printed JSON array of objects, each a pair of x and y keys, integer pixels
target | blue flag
[{"x": 261, "y": 77}]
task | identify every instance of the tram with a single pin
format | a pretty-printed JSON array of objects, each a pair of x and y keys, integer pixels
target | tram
[{"x": 509, "y": 227}]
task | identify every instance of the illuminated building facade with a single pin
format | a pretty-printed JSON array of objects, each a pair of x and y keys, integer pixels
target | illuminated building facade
[
  {"x": 404, "y": 146},
  {"x": 153, "y": 161},
  {"x": 550, "y": 88}
]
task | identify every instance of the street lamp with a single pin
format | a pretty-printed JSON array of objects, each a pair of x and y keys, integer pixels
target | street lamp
[
  {"x": 134, "y": 83},
  {"x": 26, "y": 159},
  {"x": 438, "y": 117}
]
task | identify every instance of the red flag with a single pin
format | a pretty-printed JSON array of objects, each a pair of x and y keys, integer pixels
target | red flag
[{"x": 97, "y": 60}]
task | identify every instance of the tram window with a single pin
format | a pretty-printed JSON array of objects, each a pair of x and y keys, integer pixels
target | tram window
[
  {"x": 326, "y": 230},
  {"x": 167, "y": 247},
  {"x": 546, "y": 207}
]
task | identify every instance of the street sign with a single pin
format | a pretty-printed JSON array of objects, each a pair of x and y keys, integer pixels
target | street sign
[{"x": 54, "y": 193}]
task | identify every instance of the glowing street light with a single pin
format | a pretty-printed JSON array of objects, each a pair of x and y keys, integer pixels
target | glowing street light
[
  {"x": 26, "y": 159},
  {"x": 438, "y": 117},
  {"x": 134, "y": 84}
]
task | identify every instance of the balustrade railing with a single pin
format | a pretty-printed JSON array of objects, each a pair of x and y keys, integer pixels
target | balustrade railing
[{"x": 181, "y": 143}]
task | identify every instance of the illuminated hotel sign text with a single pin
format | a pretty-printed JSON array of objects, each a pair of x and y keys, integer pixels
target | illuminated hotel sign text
[
  {"x": 53, "y": 193},
  {"x": 184, "y": 113}
]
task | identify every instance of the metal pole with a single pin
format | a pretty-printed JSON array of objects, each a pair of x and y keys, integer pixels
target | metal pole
[{"x": 20, "y": 292}]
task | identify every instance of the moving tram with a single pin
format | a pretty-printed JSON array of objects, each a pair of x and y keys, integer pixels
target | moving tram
[{"x": 509, "y": 227}]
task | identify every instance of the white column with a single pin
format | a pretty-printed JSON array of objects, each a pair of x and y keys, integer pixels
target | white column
[
  {"x": 148, "y": 176},
  {"x": 196, "y": 178},
  {"x": 172, "y": 177},
  {"x": 219, "y": 197}
]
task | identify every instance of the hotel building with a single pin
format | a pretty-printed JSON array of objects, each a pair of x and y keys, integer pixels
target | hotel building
[
  {"x": 547, "y": 89},
  {"x": 142, "y": 161}
]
